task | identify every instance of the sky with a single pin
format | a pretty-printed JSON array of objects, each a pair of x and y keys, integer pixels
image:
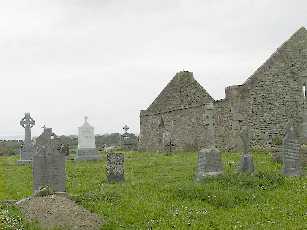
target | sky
[{"x": 62, "y": 60}]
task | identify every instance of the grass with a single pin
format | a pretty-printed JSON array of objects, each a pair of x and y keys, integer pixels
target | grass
[{"x": 160, "y": 193}]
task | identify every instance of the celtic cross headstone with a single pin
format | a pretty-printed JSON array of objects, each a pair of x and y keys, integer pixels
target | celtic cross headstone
[{"x": 26, "y": 151}]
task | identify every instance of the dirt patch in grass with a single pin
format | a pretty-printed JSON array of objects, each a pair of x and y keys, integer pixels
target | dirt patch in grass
[{"x": 58, "y": 212}]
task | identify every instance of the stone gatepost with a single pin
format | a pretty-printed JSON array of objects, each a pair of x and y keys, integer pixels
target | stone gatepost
[
  {"x": 26, "y": 150},
  {"x": 48, "y": 163},
  {"x": 209, "y": 158},
  {"x": 246, "y": 164}
]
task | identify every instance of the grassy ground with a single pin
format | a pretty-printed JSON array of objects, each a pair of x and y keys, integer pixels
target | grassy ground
[{"x": 159, "y": 193}]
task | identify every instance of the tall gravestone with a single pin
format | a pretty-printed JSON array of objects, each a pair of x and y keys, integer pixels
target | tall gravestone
[
  {"x": 86, "y": 143},
  {"x": 48, "y": 163},
  {"x": 303, "y": 131},
  {"x": 26, "y": 150},
  {"x": 115, "y": 167},
  {"x": 209, "y": 158},
  {"x": 246, "y": 164},
  {"x": 126, "y": 141},
  {"x": 291, "y": 153}
]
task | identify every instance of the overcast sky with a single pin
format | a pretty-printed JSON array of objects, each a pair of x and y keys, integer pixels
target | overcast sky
[{"x": 108, "y": 59}]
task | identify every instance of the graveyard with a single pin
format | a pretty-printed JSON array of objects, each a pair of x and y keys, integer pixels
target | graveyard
[
  {"x": 159, "y": 192},
  {"x": 187, "y": 115}
]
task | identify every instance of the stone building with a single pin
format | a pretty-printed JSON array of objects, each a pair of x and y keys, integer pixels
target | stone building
[{"x": 266, "y": 101}]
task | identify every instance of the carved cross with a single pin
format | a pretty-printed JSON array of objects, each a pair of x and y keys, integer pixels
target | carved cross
[
  {"x": 27, "y": 121},
  {"x": 170, "y": 145}
]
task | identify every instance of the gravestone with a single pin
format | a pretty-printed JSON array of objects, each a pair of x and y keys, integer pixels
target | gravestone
[
  {"x": 246, "y": 164},
  {"x": 303, "y": 151},
  {"x": 26, "y": 151},
  {"x": 115, "y": 167},
  {"x": 126, "y": 141},
  {"x": 291, "y": 153},
  {"x": 48, "y": 163},
  {"x": 167, "y": 141},
  {"x": 86, "y": 143},
  {"x": 209, "y": 158}
]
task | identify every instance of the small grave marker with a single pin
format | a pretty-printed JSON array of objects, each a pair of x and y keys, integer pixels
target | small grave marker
[{"x": 115, "y": 167}]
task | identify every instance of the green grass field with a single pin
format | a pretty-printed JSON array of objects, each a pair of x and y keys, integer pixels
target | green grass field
[{"x": 160, "y": 193}]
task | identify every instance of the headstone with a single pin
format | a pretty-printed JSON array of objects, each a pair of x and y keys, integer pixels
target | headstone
[
  {"x": 86, "y": 143},
  {"x": 115, "y": 167},
  {"x": 303, "y": 152},
  {"x": 48, "y": 163},
  {"x": 167, "y": 141},
  {"x": 26, "y": 151},
  {"x": 291, "y": 153},
  {"x": 209, "y": 163},
  {"x": 126, "y": 142},
  {"x": 209, "y": 158},
  {"x": 246, "y": 164}
]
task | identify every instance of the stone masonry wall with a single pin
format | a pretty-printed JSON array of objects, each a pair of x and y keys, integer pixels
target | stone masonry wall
[
  {"x": 187, "y": 128},
  {"x": 268, "y": 99},
  {"x": 271, "y": 97}
]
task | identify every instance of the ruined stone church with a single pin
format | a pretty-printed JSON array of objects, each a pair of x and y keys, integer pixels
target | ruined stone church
[{"x": 265, "y": 102}]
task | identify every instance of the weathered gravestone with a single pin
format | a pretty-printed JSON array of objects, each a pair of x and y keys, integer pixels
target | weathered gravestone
[
  {"x": 48, "y": 163},
  {"x": 127, "y": 143},
  {"x": 291, "y": 153},
  {"x": 246, "y": 164},
  {"x": 26, "y": 151},
  {"x": 86, "y": 143},
  {"x": 304, "y": 120},
  {"x": 167, "y": 141},
  {"x": 209, "y": 159},
  {"x": 115, "y": 167}
]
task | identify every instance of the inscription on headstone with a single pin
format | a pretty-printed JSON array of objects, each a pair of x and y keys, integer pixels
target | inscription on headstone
[
  {"x": 246, "y": 164},
  {"x": 26, "y": 151},
  {"x": 48, "y": 163},
  {"x": 115, "y": 167},
  {"x": 291, "y": 153}
]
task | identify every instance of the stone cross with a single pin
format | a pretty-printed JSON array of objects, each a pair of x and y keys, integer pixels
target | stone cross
[
  {"x": 48, "y": 163},
  {"x": 246, "y": 164},
  {"x": 170, "y": 145},
  {"x": 126, "y": 128},
  {"x": 115, "y": 167},
  {"x": 125, "y": 139},
  {"x": 26, "y": 151},
  {"x": 291, "y": 153}
]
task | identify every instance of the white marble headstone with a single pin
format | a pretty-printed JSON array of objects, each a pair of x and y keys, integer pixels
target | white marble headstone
[{"x": 86, "y": 142}]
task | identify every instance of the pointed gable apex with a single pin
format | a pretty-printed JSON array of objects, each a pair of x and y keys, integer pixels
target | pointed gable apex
[
  {"x": 293, "y": 50},
  {"x": 182, "y": 90}
]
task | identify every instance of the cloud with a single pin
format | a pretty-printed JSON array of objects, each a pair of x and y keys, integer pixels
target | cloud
[{"x": 61, "y": 60}]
